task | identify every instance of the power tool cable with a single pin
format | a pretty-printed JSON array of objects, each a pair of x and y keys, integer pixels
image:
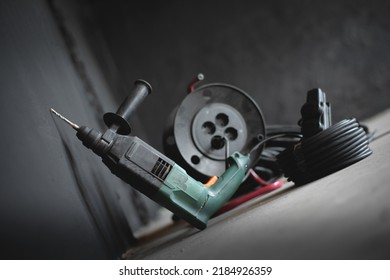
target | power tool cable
[{"x": 325, "y": 152}]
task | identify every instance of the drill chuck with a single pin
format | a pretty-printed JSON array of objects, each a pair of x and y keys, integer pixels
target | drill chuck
[{"x": 93, "y": 139}]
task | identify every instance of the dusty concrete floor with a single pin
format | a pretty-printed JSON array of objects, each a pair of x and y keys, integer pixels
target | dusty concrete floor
[{"x": 343, "y": 216}]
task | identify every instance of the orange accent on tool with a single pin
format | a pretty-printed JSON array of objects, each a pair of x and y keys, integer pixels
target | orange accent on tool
[{"x": 211, "y": 181}]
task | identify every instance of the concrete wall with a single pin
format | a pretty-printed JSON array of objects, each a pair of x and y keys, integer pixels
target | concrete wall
[
  {"x": 57, "y": 200},
  {"x": 274, "y": 50}
]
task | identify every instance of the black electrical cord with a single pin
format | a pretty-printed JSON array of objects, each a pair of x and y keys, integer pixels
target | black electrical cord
[
  {"x": 325, "y": 152},
  {"x": 266, "y": 166},
  {"x": 279, "y": 137}
]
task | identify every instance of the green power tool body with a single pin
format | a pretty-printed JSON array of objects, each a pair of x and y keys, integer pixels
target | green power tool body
[{"x": 155, "y": 175}]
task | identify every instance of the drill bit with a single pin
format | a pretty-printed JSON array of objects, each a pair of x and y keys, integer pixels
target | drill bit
[{"x": 75, "y": 126}]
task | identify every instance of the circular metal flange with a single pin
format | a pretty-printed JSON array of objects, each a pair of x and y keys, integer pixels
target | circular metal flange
[
  {"x": 210, "y": 121},
  {"x": 217, "y": 127}
]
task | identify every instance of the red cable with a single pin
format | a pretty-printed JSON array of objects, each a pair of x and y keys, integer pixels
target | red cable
[
  {"x": 239, "y": 200},
  {"x": 257, "y": 178},
  {"x": 194, "y": 82}
]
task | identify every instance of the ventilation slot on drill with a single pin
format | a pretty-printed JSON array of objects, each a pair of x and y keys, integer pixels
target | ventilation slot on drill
[{"x": 161, "y": 169}]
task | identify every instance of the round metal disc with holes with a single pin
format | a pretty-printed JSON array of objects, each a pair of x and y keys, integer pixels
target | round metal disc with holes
[{"x": 212, "y": 122}]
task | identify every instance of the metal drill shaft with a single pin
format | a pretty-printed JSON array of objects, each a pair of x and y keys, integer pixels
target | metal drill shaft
[{"x": 72, "y": 124}]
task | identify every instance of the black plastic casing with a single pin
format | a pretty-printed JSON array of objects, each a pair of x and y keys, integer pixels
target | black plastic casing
[
  {"x": 316, "y": 113},
  {"x": 129, "y": 158}
]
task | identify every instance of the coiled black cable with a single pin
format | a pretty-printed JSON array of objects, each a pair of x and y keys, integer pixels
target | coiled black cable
[
  {"x": 324, "y": 153},
  {"x": 279, "y": 137}
]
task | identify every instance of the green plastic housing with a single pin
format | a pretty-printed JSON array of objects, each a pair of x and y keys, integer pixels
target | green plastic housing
[{"x": 192, "y": 200}]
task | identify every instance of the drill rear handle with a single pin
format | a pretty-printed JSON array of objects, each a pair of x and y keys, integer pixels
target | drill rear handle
[
  {"x": 154, "y": 174},
  {"x": 165, "y": 182}
]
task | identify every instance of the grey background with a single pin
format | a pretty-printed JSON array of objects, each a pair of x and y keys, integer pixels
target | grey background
[
  {"x": 274, "y": 50},
  {"x": 57, "y": 200}
]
